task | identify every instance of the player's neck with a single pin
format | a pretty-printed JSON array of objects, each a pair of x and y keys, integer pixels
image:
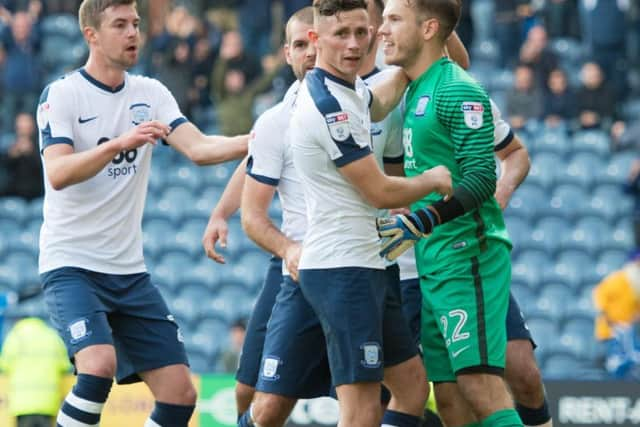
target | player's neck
[
  {"x": 427, "y": 57},
  {"x": 105, "y": 74}
]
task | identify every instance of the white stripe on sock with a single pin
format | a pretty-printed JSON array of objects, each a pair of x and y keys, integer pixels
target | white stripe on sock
[
  {"x": 151, "y": 423},
  {"x": 66, "y": 421},
  {"x": 84, "y": 404}
]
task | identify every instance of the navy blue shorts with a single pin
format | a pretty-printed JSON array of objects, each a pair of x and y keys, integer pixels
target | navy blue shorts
[
  {"x": 357, "y": 315},
  {"x": 516, "y": 326},
  {"x": 411, "y": 296},
  {"x": 251, "y": 355},
  {"x": 124, "y": 310},
  {"x": 294, "y": 362}
]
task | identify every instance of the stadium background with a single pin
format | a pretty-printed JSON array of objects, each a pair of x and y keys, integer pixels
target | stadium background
[{"x": 571, "y": 221}]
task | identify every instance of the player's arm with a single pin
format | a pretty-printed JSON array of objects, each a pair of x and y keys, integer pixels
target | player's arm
[
  {"x": 514, "y": 168},
  {"x": 229, "y": 203},
  {"x": 207, "y": 149},
  {"x": 65, "y": 167},
  {"x": 387, "y": 94},
  {"x": 386, "y": 192},
  {"x": 456, "y": 51},
  {"x": 256, "y": 198}
]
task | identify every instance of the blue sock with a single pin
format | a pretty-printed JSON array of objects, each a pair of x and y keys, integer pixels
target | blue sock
[
  {"x": 170, "y": 415},
  {"x": 398, "y": 419},
  {"x": 534, "y": 417},
  {"x": 83, "y": 405},
  {"x": 245, "y": 419}
]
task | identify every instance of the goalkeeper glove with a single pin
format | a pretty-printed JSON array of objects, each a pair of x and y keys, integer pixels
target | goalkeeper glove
[{"x": 401, "y": 232}]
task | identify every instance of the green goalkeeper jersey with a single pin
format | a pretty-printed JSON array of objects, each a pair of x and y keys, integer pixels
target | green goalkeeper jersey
[{"x": 448, "y": 122}]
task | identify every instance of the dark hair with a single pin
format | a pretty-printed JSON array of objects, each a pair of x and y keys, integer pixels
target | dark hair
[
  {"x": 333, "y": 7},
  {"x": 447, "y": 12},
  {"x": 304, "y": 15},
  {"x": 90, "y": 11}
]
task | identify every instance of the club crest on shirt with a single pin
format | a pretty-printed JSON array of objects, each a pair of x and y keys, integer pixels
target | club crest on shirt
[
  {"x": 140, "y": 113},
  {"x": 473, "y": 112},
  {"x": 338, "y": 124},
  {"x": 421, "y": 106}
]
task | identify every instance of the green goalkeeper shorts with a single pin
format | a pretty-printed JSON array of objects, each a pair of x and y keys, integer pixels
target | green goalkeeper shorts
[{"x": 464, "y": 310}]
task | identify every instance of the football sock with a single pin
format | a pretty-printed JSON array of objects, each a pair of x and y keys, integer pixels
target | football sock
[
  {"x": 398, "y": 419},
  {"x": 169, "y": 415},
  {"x": 83, "y": 405}
]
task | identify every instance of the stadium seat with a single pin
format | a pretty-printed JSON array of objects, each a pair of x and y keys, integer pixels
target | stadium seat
[
  {"x": 154, "y": 234},
  {"x": 631, "y": 109},
  {"x": 527, "y": 202},
  {"x": 552, "y": 301},
  {"x": 589, "y": 233},
  {"x": 232, "y": 302},
  {"x": 568, "y": 49},
  {"x": 205, "y": 273},
  {"x": 610, "y": 260},
  {"x": 170, "y": 268},
  {"x": 9, "y": 278},
  {"x": 567, "y": 201},
  {"x": 528, "y": 267},
  {"x": 175, "y": 201},
  {"x": 544, "y": 332},
  {"x": 519, "y": 229},
  {"x": 544, "y": 169},
  {"x": 551, "y": 140},
  {"x": 199, "y": 363},
  {"x": 618, "y": 169},
  {"x": 548, "y": 234},
  {"x": 219, "y": 174},
  {"x": 592, "y": 141},
  {"x": 582, "y": 170},
  {"x": 560, "y": 366},
  {"x": 502, "y": 80},
  {"x": 14, "y": 208},
  {"x": 250, "y": 267},
  {"x": 64, "y": 25},
  {"x": 185, "y": 177},
  {"x": 524, "y": 294},
  {"x": 621, "y": 237}
]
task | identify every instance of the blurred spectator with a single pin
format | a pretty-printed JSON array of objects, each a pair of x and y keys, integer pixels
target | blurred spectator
[
  {"x": 465, "y": 25},
  {"x": 560, "y": 18},
  {"x": 607, "y": 39},
  {"x": 21, "y": 77},
  {"x": 595, "y": 100},
  {"x": 234, "y": 98},
  {"x": 22, "y": 161},
  {"x": 632, "y": 188},
  {"x": 174, "y": 70},
  {"x": 559, "y": 100},
  {"x": 508, "y": 26},
  {"x": 234, "y": 55},
  {"x": 617, "y": 298},
  {"x": 536, "y": 53},
  {"x": 231, "y": 356},
  {"x": 524, "y": 100},
  {"x": 292, "y": 6},
  {"x": 256, "y": 33},
  {"x": 35, "y": 361},
  {"x": 626, "y": 136}
]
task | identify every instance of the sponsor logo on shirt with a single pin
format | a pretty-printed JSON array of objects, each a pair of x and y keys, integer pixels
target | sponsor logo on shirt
[
  {"x": 473, "y": 112},
  {"x": 338, "y": 124}
]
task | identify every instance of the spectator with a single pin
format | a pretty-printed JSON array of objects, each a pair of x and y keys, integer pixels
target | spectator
[
  {"x": 174, "y": 70},
  {"x": 524, "y": 100},
  {"x": 234, "y": 55},
  {"x": 256, "y": 33},
  {"x": 35, "y": 361},
  {"x": 536, "y": 54},
  {"x": 22, "y": 162},
  {"x": 632, "y": 188},
  {"x": 617, "y": 298},
  {"x": 231, "y": 355},
  {"x": 21, "y": 78},
  {"x": 560, "y": 18},
  {"x": 508, "y": 27},
  {"x": 606, "y": 24},
  {"x": 234, "y": 97},
  {"x": 595, "y": 100},
  {"x": 625, "y": 136},
  {"x": 559, "y": 101}
]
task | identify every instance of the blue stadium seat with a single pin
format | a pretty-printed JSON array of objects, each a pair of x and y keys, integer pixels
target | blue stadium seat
[
  {"x": 205, "y": 273},
  {"x": 631, "y": 109},
  {"x": 568, "y": 49},
  {"x": 544, "y": 332},
  {"x": 64, "y": 25},
  {"x": 560, "y": 366},
  {"x": 157, "y": 181},
  {"x": 548, "y": 234},
  {"x": 621, "y": 237},
  {"x": 502, "y": 80},
  {"x": 544, "y": 169},
  {"x": 552, "y": 301},
  {"x": 219, "y": 174},
  {"x": 527, "y": 268},
  {"x": 214, "y": 326},
  {"x": 519, "y": 230},
  {"x": 582, "y": 169},
  {"x": 524, "y": 294},
  {"x": 552, "y": 141},
  {"x": 604, "y": 207},
  {"x": 188, "y": 238},
  {"x": 9, "y": 278},
  {"x": 186, "y": 177},
  {"x": 618, "y": 169},
  {"x": 175, "y": 201},
  {"x": 589, "y": 233},
  {"x": 199, "y": 362},
  {"x": 592, "y": 141},
  {"x": 232, "y": 302},
  {"x": 14, "y": 208},
  {"x": 527, "y": 202},
  {"x": 171, "y": 267},
  {"x": 250, "y": 267},
  {"x": 581, "y": 262},
  {"x": 154, "y": 234},
  {"x": 567, "y": 201},
  {"x": 610, "y": 260}
]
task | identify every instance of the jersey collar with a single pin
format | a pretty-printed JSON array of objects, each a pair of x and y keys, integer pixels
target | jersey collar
[
  {"x": 326, "y": 74},
  {"x": 101, "y": 85}
]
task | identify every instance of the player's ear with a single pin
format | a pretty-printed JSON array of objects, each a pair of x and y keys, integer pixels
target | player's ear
[
  {"x": 430, "y": 28},
  {"x": 89, "y": 34}
]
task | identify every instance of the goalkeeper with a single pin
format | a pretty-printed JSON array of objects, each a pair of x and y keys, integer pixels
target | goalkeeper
[{"x": 464, "y": 265}]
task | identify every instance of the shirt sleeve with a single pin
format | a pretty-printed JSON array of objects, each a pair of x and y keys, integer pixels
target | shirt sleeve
[
  {"x": 393, "y": 149},
  {"x": 54, "y": 117},
  {"x": 266, "y": 151},
  {"x": 502, "y": 134},
  {"x": 464, "y": 109},
  {"x": 168, "y": 111}
]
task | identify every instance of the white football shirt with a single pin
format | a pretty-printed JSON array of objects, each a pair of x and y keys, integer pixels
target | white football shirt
[
  {"x": 330, "y": 128},
  {"x": 96, "y": 224}
]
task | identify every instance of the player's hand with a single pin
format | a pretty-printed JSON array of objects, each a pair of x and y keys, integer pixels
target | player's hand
[
  {"x": 398, "y": 234},
  {"x": 217, "y": 230},
  {"x": 440, "y": 179},
  {"x": 144, "y": 133},
  {"x": 292, "y": 258}
]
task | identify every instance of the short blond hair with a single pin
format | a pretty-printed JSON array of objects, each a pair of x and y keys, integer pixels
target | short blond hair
[{"x": 90, "y": 12}]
